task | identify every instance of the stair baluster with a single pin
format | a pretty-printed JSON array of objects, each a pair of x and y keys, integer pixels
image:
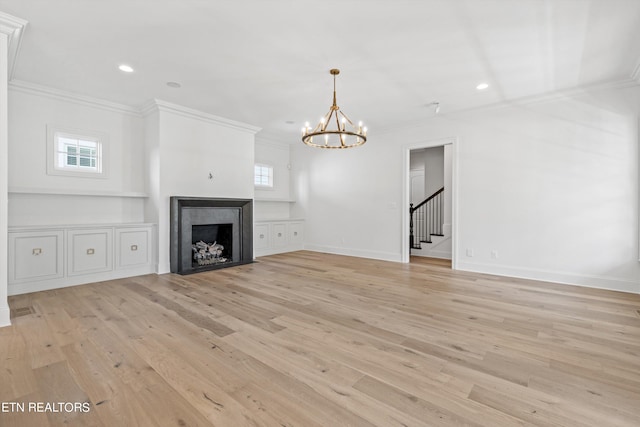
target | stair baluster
[{"x": 427, "y": 221}]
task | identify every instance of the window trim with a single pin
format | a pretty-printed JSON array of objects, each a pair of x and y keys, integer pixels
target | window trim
[
  {"x": 268, "y": 186},
  {"x": 54, "y": 168}
]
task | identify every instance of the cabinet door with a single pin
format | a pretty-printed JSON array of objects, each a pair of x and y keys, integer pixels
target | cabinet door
[
  {"x": 296, "y": 234},
  {"x": 133, "y": 247},
  {"x": 261, "y": 237},
  {"x": 89, "y": 251},
  {"x": 279, "y": 235},
  {"x": 36, "y": 255}
]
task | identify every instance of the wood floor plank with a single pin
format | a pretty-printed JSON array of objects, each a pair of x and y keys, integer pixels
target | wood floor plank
[
  {"x": 16, "y": 376},
  {"x": 110, "y": 397},
  {"x": 42, "y": 347},
  {"x": 57, "y": 386},
  {"x": 311, "y": 339}
]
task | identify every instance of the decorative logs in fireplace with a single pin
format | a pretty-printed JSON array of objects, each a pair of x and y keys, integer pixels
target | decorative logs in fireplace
[
  {"x": 208, "y": 253},
  {"x": 209, "y": 233}
]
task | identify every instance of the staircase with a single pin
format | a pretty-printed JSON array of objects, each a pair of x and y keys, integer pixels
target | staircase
[{"x": 426, "y": 220}]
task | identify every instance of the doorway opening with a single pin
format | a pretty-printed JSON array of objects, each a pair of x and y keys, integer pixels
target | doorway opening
[{"x": 429, "y": 211}]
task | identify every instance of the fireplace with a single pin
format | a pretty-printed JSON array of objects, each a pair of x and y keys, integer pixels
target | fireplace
[{"x": 208, "y": 233}]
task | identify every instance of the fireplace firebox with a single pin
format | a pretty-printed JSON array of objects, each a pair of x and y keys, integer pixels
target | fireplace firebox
[{"x": 210, "y": 233}]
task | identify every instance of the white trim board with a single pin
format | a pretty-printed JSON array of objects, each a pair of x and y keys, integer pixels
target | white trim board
[
  {"x": 61, "y": 95},
  {"x": 65, "y": 282},
  {"x": 159, "y": 105},
  {"x": 13, "y": 27},
  {"x": 382, "y": 256},
  {"x": 599, "y": 282},
  {"x": 5, "y": 317}
]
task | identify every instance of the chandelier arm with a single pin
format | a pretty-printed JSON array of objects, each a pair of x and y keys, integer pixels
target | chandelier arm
[
  {"x": 326, "y": 122},
  {"x": 347, "y": 118},
  {"x": 338, "y": 122}
]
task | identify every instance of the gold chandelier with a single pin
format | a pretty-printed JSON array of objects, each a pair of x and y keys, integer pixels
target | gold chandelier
[{"x": 344, "y": 135}]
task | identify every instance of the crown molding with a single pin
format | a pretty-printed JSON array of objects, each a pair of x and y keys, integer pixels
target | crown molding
[
  {"x": 159, "y": 105},
  {"x": 143, "y": 111},
  {"x": 272, "y": 142},
  {"x": 13, "y": 27},
  {"x": 61, "y": 95}
]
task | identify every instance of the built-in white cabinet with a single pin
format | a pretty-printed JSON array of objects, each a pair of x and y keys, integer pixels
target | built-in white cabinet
[
  {"x": 36, "y": 255},
  {"x": 133, "y": 247},
  {"x": 89, "y": 251},
  {"x": 261, "y": 241},
  {"x": 49, "y": 257},
  {"x": 277, "y": 236}
]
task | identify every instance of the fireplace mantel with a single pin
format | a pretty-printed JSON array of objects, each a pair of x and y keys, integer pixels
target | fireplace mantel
[{"x": 187, "y": 212}]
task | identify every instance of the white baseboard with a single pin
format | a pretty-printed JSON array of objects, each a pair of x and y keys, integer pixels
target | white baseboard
[
  {"x": 273, "y": 251},
  {"x": 383, "y": 256},
  {"x": 5, "y": 317},
  {"x": 599, "y": 282},
  {"x": 64, "y": 282}
]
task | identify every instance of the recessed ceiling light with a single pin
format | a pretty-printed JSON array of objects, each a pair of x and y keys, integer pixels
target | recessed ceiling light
[
  {"x": 482, "y": 86},
  {"x": 126, "y": 68},
  {"x": 174, "y": 84}
]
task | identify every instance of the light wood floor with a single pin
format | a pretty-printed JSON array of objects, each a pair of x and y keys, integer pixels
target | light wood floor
[{"x": 308, "y": 339}]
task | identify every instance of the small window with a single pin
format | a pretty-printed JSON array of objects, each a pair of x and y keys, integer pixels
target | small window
[
  {"x": 76, "y": 153},
  {"x": 263, "y": 176}
]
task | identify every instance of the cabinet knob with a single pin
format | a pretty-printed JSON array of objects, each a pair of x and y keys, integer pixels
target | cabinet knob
[
  {"x": 262, "y": 236},
  {"x": 134, "y": 248},
  {"x": 279, "y": 234},
  {"x": 295, "y": 233},
  {"x": 36, "y": 251},
  {"x": 91, "y": 251}
]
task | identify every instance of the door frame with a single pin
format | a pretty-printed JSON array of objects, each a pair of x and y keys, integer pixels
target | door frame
[{"x": 406, "y": 188}]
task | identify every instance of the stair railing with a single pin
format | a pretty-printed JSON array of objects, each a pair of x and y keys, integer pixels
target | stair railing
[{"x": 425, "y": 220}]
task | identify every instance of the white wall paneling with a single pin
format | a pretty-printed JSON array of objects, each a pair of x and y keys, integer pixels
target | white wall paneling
[{"x": 49, "y": 257}]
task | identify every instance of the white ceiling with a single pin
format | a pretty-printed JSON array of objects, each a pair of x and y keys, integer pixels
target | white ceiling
[{"x": 266, "y": 62}]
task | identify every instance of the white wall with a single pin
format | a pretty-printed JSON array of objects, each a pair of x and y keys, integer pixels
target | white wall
[
  {"x": 433, "y": 170},
  {"x": 273, "y": 203},
  {"x": 431, "y": 162},
  {"x": 37, "y": 198},
  {"x": 350, "y": 199},
  {"x": 551, "y": 186},
  {"x": 186, "y": 149},
  {"x": 562, "y": 176}
]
